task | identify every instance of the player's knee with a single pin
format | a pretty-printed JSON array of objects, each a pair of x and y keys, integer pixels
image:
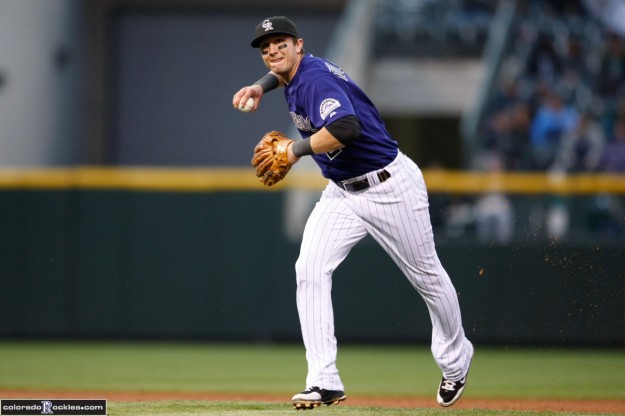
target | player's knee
[
  {"x": 301, "y": 267},
  {"x": 306, "y": 268}
]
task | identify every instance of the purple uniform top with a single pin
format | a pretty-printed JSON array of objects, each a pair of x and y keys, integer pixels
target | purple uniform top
[{"x": 321, "y": 93}]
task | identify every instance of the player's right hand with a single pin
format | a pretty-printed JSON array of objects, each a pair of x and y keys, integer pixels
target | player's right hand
[{"x": 254, "y": 91}]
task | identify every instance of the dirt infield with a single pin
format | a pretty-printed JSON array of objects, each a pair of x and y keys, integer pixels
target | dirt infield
[{"x": 583, "y": 406}]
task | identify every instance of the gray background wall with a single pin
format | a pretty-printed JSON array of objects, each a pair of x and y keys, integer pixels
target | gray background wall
[
  {"x": 174, "y": 78},
  {"x": 138, "y": 82},
  {"x": 41, "y": 73}
]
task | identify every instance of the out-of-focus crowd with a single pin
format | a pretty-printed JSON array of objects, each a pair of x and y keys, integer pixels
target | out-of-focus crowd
[
  {"x": 560, "y": 102},
  {"x": 557, "y": 106}
]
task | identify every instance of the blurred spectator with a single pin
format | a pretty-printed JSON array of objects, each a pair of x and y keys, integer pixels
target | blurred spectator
[
  {"x": 553, "y": 119},
  {"x": 557, "y": 218},
  {"x": 515, "y": 155},
  {"x": 612, "y": 71},
  {"x": 581, "y": 148},
  {"x": 578, "y": 75},
  {"x": 500, "y": 138},
  {"x": 506, "y": 127},
  {"x": 613, "y": 159},
  {"x": 544, "y": 64},
  {"x": 605, "y": 216},
  {"x": 507, "y": 135},
  {"x": 611, "y": 112},
  {"x": 575, "y": 62},
  {"x": 493, "y": 218},
  {"x": 459, "y": 218},
  {"x": 493, "y": 211},
  {"x": 507, "y": 95}
]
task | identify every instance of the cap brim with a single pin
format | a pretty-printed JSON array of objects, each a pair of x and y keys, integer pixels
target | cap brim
[{"x": 256, "y": 42}]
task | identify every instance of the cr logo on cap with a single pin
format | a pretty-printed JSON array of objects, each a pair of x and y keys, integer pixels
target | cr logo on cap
[{"x": 267, "y": 25}]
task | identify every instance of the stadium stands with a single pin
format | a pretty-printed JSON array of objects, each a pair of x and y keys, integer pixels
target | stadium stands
[{"x": 556, "y": 105}]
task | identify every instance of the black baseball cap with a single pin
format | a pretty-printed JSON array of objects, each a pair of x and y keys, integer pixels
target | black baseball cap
[{"x": 272, "y": 26}]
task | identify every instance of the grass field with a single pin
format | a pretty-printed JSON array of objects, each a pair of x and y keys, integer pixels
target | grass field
[
  {"x": 279, "y": 370},
  {"x": 234, "y": 408}
]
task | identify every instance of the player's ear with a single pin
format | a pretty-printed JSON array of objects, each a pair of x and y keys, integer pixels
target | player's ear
[{"x": 299, "y": 45}]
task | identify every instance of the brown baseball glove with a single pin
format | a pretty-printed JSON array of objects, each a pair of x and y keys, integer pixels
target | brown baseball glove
[{"x": 270, "y": 158}]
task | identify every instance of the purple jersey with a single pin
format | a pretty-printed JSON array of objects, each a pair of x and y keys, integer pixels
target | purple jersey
[{"x": 321, "y": 93}]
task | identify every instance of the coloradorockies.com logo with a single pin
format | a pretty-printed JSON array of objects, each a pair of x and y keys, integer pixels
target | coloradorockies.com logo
[{"x": 52, "y": 407}]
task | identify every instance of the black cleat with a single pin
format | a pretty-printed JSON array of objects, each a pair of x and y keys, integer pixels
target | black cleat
[
  {"x": 315, "y": 397},
  {"x": 450, "y": 391}
]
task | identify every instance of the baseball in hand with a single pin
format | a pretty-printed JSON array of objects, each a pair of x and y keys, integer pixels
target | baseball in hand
[{"x": 248, "y": 105}]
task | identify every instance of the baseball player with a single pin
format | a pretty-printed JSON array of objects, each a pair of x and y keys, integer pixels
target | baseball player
[{"x": 373, "y": 189}]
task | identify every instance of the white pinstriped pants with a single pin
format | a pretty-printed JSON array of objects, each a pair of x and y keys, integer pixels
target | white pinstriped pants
[{"x": 395, "y": 213}]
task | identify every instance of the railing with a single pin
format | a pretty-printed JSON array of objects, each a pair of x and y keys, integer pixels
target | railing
[{"x": 495, "y": 208}]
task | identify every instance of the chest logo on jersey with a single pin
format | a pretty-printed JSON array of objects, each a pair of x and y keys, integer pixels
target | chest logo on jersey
[
  {"x": 302, "y": 123},
  {"x": 327, "y": 107}
]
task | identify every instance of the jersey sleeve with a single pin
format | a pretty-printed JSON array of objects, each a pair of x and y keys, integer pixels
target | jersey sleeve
[{"x": 328, "y": 100}]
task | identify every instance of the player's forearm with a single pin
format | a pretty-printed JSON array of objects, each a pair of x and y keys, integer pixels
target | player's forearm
[
  {"x": 323, "y": 141},
  {"x": 320, "y": 142}
]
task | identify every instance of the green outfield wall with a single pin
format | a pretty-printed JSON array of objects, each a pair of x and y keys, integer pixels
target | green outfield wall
[{"x": 106, "y": 263}]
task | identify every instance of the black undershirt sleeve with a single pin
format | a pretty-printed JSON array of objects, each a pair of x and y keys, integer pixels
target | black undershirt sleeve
[{"x": 345, "y": 129}]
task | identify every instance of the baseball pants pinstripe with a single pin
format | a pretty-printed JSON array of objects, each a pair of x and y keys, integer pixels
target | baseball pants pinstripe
[{"x": 395, "y": 213}]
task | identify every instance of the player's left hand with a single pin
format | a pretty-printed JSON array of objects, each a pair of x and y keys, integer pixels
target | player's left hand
[{"x": 271, "y": 158}]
